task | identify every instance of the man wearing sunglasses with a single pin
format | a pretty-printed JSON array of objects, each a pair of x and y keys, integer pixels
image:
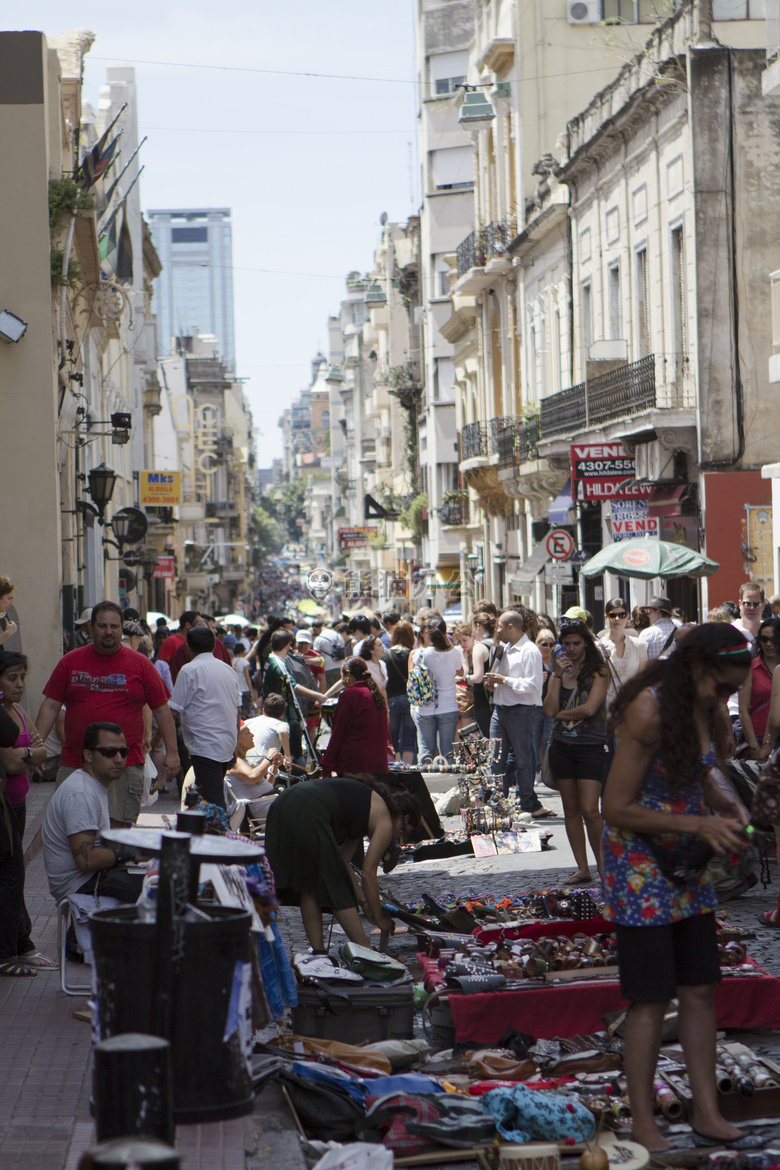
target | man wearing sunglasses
[
  {"x": 75, "y": 815},
  {"x": 751, "y": 607}
]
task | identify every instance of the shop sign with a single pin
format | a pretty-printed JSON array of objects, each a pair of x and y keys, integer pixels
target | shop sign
[
  {"x": 604, "y": 471},
  {"x": 354, "y": 537},
  {"x": 165, "y": 567},
  {"x": 159, "y": 489},
  {"x": 631, "y": 518}
]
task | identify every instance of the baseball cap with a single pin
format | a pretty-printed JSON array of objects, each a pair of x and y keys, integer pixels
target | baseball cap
[
  {"x": 230, "y": 641},
  {"x": 577, "y": 613},
  {"x": 86, "y": 616}
]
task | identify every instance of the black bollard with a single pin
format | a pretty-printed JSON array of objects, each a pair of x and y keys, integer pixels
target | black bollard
[
  {"x": 131, "y": 1088},
  {"x": 188, "y": 821},
  {"x": 128, "y": 1152}
]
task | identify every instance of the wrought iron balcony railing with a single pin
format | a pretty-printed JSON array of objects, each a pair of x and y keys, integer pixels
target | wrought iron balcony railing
[
  {"x": 455, "y": 512},
  {"x": 484, "y": 244},
  {"x": 656, "y": 382},
  {"x": 480, "y": 439},
  {"x": 517, "y": 443}
]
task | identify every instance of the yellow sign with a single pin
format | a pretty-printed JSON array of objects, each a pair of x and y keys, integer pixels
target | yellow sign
[{"x": 159, "y": 489}]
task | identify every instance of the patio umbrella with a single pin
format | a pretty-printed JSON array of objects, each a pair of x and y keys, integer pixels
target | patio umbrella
[
  {"x": 311, "y": 608},
  {"x": 234, "y": 619},
  {"x": 645, "y": 559}
]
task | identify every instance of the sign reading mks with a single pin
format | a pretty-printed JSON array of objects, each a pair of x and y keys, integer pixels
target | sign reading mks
[{"x": 159, "y": 489}]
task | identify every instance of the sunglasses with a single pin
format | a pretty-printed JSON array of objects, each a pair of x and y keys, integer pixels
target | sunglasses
[
  {"x": 545, "y": 643},
  {"x": 768, "y": 640},
  {"x": 616, "y": 615},
  {"x": 108, "y": 753},
  {"x": 751, "y": 604}
]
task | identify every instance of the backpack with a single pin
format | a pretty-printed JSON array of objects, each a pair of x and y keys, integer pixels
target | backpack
[
  {"x": 334, "y": 648},
  {"x": 421, "y": 689}
]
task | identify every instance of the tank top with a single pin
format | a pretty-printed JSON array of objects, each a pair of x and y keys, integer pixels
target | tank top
[
  {"x": 353, "y": 801},
  {"x": 760, "y": 696},
  {"x": 592, "y": 730},
  {"x": 17, "y": 784},
  {"x": 636, "y": 893}
]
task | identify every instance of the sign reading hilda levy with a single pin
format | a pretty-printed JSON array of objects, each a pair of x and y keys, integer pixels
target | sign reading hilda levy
[
  {"x": 159, "y": 489},
  {"x": 604, "y": 471}
]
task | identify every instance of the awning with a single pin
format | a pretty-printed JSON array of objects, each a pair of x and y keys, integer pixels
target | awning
[
  {"x": 530, "y": 568},
  {"x": 559, "y": 508},
  {"x": 666, "y": 501}
]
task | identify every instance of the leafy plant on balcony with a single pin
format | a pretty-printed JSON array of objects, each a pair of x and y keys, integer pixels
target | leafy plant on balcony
[
  {"x": 414, "y": 516},
  {"x": 378, "y": 538},
  {"x": 66, "y": 198},
  {"x": 531, "y": 413},
  {"x": 454, "y": 497}
]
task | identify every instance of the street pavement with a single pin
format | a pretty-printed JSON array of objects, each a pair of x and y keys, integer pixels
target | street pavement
[{"x": 45, "y": 1072}]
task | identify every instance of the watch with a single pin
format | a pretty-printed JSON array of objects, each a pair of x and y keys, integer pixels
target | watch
[{"x": 28, "y": 753}]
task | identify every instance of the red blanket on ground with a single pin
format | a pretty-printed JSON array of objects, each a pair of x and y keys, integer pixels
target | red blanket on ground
[{"x": 547, "y": 1010}]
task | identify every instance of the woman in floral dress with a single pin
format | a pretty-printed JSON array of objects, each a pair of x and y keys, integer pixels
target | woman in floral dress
[{"x": 671, "y": 727}]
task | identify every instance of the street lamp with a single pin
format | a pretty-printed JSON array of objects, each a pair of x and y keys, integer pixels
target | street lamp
[
  {"x": 149, "y": 559},
  {"x": 120, "y": 525},
  {"x": 102, "y": 480}
]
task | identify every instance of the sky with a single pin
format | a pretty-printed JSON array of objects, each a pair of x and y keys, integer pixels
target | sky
[{"x": 307, "y": 164}]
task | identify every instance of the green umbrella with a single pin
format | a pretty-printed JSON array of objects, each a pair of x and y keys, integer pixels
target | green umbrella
[{"x": 645, "y": 559}]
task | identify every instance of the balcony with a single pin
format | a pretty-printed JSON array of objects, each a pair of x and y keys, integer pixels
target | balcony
[
  {"x": 455, "y": 513},
  {"x": 479, "y": 440},
  {"x": 220, "y": 509},
  {"x": 483, "y": 254},
  {"x": 656, "y": 382},
  {"x": 517, "y": 443}
]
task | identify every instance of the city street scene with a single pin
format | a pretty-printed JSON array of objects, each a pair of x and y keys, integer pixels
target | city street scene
[{"x": 390, "y": 585}]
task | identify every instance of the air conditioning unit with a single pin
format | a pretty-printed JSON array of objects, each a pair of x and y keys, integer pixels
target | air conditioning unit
[{"x": 584, "y": 11}]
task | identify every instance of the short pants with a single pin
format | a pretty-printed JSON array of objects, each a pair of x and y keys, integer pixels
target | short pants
[
  {"x": 655, "y": 960},
  {"x": 573, "y": 761}
]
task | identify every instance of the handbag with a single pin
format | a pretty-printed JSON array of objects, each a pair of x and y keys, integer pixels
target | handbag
[
  {"x": 421, "y": 689},
  {"x": 547, "y": 779},
  {"x": 766, "y": 798}
]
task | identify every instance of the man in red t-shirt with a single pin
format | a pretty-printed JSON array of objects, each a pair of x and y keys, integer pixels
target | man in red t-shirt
[
  {"x": 109, "y": 682},
  {"x": 178, "y": 637},
  {"x": 183, "y": 655}
]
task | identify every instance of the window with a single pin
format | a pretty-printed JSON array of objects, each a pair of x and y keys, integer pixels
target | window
[
  {"x": 452, "y": 169},
  {"x": 615, "y": 307},
  {"x": 642, "y": 304},
  {"x": 189, "y": 235},
  {"x": 446, "y": 71},
  {"x": 738, "y": 9},
  {"x": 445, "y": 85},
  {"x": 679, "y": 300},
  {"x": 587, "y": 318},
  {"x": 636, "y": 11}
]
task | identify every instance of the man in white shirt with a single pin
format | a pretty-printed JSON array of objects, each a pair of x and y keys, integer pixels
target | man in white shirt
[
  {"x": 659, "y": 636},
  {"x": 516, "y": 683},
  {"x": 751, "y": 607},
  {"x": 208, "y": 696}
]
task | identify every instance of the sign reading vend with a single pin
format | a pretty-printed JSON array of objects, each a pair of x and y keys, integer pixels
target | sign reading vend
[
  {"x": 159, "y": 489},
  {"x": 604, "y": 471}
]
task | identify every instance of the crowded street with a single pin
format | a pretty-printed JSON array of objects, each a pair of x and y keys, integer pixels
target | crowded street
[{"x": 390, "y": 585}]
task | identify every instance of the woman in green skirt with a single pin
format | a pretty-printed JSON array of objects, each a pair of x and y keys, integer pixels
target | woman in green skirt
[{"x": 312, "y": 832}]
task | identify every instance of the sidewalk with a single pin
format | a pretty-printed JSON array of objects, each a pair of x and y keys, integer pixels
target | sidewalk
[{"x": 45, "y": 1072}]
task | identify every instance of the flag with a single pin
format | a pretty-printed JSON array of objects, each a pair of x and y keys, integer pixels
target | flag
[{"x": 96, "y": 162}]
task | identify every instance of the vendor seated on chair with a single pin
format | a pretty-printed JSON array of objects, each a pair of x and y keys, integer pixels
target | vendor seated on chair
[{"x": 77, "y": 812}]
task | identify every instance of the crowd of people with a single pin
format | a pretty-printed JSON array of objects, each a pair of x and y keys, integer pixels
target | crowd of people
[{"x": 626, "y": 723}]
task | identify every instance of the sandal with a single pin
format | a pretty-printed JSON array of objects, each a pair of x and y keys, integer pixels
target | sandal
[
  {"x": 745, "y": 1141},
  {"x": 772, "y": 923},
  {"x": 577, "y": 879},
  {"x": 15, "y": 968},
  {"x": 39, "y": 961}
]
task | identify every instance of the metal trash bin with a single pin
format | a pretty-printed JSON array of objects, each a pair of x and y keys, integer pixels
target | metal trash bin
[{"x": 211, "y": 1077}]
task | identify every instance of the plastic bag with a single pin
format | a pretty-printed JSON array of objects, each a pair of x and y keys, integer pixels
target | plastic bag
[{"x": 357, "y": 1156}]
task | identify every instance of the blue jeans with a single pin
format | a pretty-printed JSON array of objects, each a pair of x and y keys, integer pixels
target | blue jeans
[
  {"x": 514, "y": 726},
  {"x": 543, "y": 725},
  {"x": 402, "y": 730},
  {"x": 428, "y": 727}
]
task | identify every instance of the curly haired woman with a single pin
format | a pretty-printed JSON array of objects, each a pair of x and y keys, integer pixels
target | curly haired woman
[
  {"x": 671, "y": 730},
  {"x": 358, "y": 741}
]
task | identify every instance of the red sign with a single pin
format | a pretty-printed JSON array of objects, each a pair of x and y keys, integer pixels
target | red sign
[
  {"x": 165, "y": 567},
  {"x": 604, "y": 471},
  {"x": 559, "y": 544}
]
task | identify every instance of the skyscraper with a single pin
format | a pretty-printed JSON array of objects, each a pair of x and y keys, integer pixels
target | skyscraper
[{"x": 195, "y": 287}]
